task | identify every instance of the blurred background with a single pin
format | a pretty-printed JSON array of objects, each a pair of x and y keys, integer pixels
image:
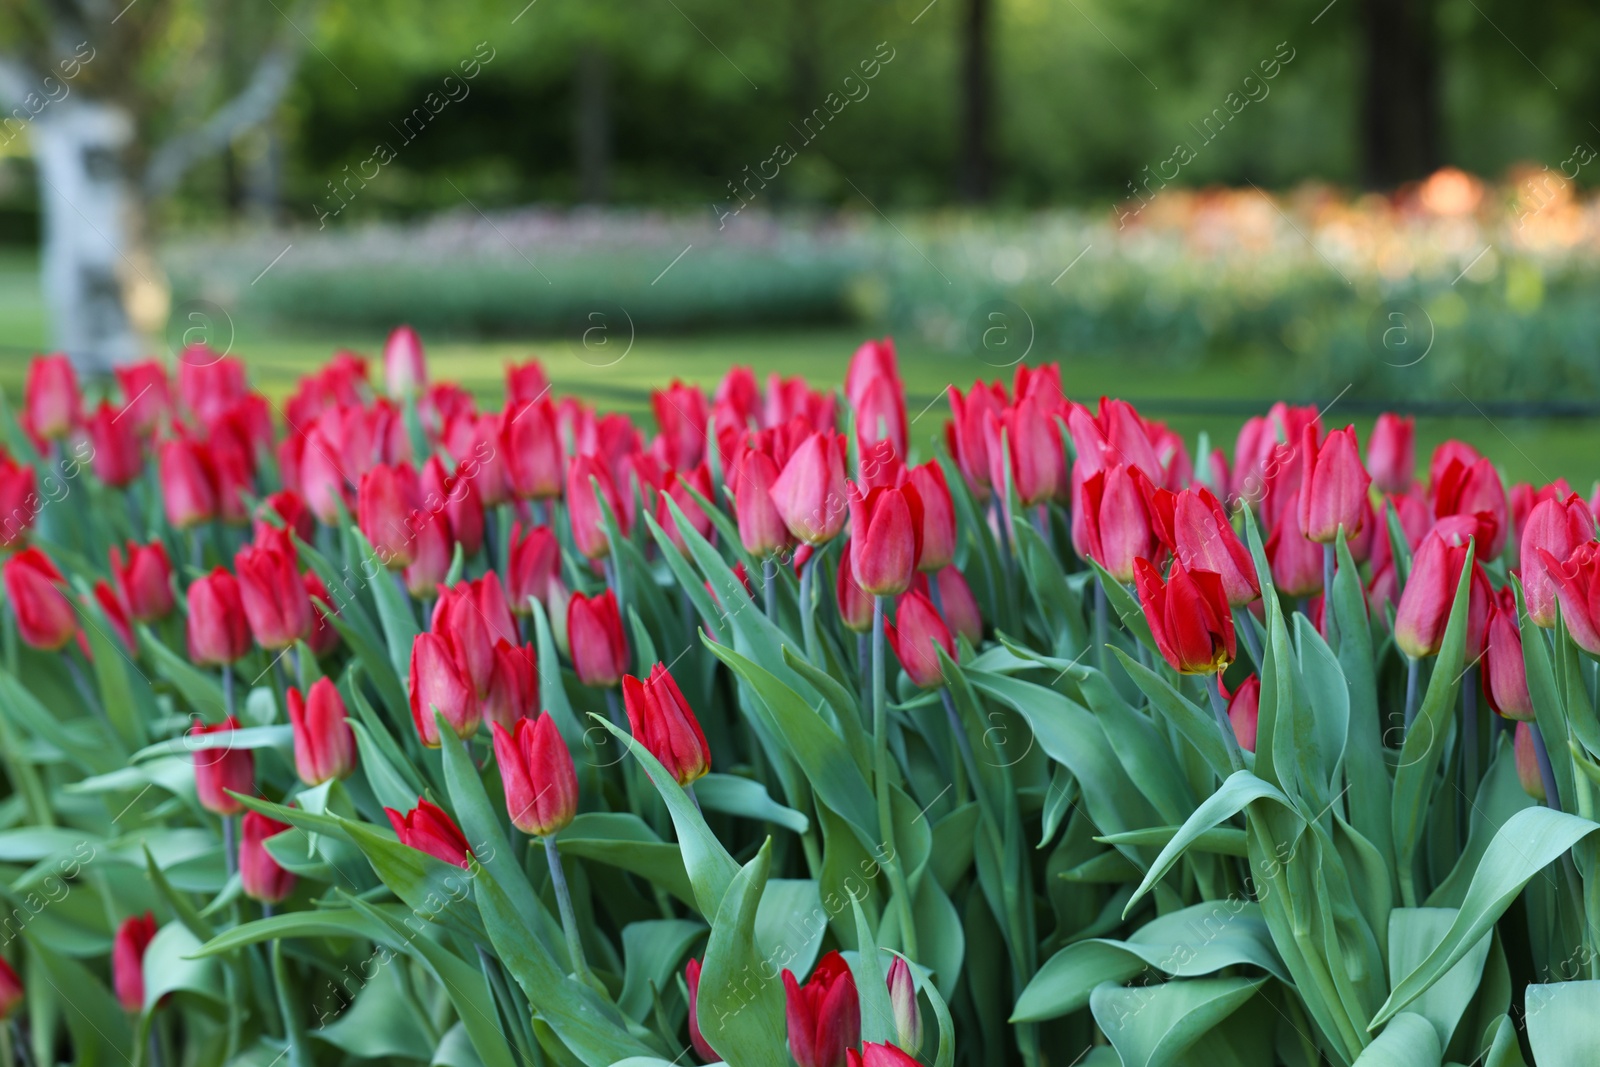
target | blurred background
[{"x": 1203, "y": 208}]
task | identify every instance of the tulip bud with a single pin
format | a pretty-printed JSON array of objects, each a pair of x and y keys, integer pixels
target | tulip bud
[
  {"x": 405, "y": 370},
  {"x": 1505, "y": 678},
  {"x": 824, "y": 1015},
  {"x": 1188, "y": 616},
  {"x": 1244, "y": 709},
  {"x": 221, "y": 769},
  {"x": 881, "y": 415},
  {"x": 855, "y": 603},
  {"x": 427, "y": 828},
  {"x": 1296, "y": 561},
  {"x": 118, "y": 456},
  {"x": 661, "y": 720},
  {"x": 1333, "y": 487},
  {"x": 588, "y": 484},
  {"x": 526, "y": 382},
  {"x": 761, "y": 527},
  {"x": 1425, "y": 603},
  {"x": 1391, "y": 453},
  {"x": 532, "y": 449},
  {"x": 439, "y": 683},
  {"x": 435, "y": 553},
  {"x": 11, "y": 990},
  {"x": 915, "y": 636},
  {"x": 702, "y": 1047},
  {"x": 219, "y": 633},
  {"x": 1577, "y": 584},
  {"x": 599, "y": 648},
  {"x": 1204, "y": 539},
  {"x": 291, "y": 513},
  {"x": 884, "y": 546},
  {"x": 51, "y": 406},
  {"x": 681, "y": 414},
  {"x": 260, "y": 876},
  {"x": 146, "y": 394},
  {"x": 1111, "y": 521},
  {"x": 513, "y": 685},
  {"x": 531, "y": 561},
  {"x": 903, "y": 1001},
  {"x": 1475, "y": 490},
  {"x": 810, "y": 491},
  {"x": 127, "y": 959},
  {"x": 1556, "y": 527},
  {"x": 1527, "y": 757},
  {"x": 45, "y": 617},
  {"x": 1033, "y": 450},
  {"x": 536, "y": 769},
  {"x": 189, "y": 486},
  {"x": 873, "y": 361},
  {"x": 457, "y": 496},
  {"x": 938, "y": 518},
  {"x": 19, "y": 502},
  {"x": 273, "y": 593},
  {"x": 961, "y": 611},
  {"x": 675, "y": 486},
  {"x": 966, "y": 434},
  {"x": 324, "y": 744},
  {"x": 386, "y": 504},
  {"x": 873, "y": 1054},
  {"x": 324, "y": 638}
]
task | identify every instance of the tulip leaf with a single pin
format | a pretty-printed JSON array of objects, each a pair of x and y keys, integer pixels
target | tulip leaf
[
  {"x": 1561, "y": 1023},
  {"x": 320, "y": 923},
  {"x": 1369, "y": 793},
  {"x": 1548, "y": 707},
  {"x": 1529, "y": 841},
  {"x": 382, "y": 1021},
  {"x": 1224, "y": 840},
  {"x": 202, "y": 691},
  {"x": 1413, "y": 934},
  {"x": 395, "y": 612},
  {"x": 748, "y": 799},
  {"x": 1503, "y": 1049},
  {"x": 622, "y": 840},
  {"x": 1152, "y": 1026},
  {"x": 1198, "y": 727},
  {"x": 1408, "y": 1041},
  {"x": 1126, "y": 607},
  {"x": 379, "y": 667},
  {"x": 99, "y": 1027},
  {"x": 712, "y": 617},
  {"x": 173, "y": 963},
  {"x": 877, "y": 1013},
  {"x": 246, "y": 737},
  {"x": 652, "y": 951},
  {"x": 741, "y": 1004}
]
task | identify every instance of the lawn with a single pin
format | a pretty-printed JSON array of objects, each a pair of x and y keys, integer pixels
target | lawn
[{"x": 617, "y": 372}]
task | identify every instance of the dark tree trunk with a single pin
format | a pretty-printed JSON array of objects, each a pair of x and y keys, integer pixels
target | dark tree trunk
[
  {"x": 592, "y": 125},
  {"x": 977, "y": 103},
  {"x": 1400, "y": 103}
]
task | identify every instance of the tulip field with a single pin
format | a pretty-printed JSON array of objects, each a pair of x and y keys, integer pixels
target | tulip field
[{"x": 381, "y": 725}]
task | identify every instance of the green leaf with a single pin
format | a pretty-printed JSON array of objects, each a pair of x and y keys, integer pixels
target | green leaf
[
  {"x": 395, "y": 612},
  {"x": 172, "y": 963},
  {"x": 1408, "y": 1041},
  {"x": 1561, "y": 1023},
  {"x": 747, "y": 798},
  {"x": 203, "y": 692},
  {"x": 1369, "y": 792},
  {"x": 383, "y": 1021},
  {"x": 1198, "y": 727},
  {"x": 741, "y": 1005},
  {"x": 790, "y": 923},
  {"x": 622, "y": 840},
  {"x": 652, "y": 951},
  {"x": 1151, "y": 1026},
  {"x": 1224, "y": 840},
  {"x": 319, "y": 924},
  {"x": 1529, "y": 841},
  {"x": 1413, "y": 934},
  {"x": 877, "y": 1014},
  {"x": 1503, "y": 1050}
]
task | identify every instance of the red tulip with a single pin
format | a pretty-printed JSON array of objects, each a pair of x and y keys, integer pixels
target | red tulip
[
  {"x": 1425, "y": 603},
  {"x": 144, "y": 580},
  {"x": 762, "y": 530},
  {"x": 532, "y": 448},
  {"x": 405, "y": 369},
  {"x": 662, "y": 721},
  {"x": 824, "y": 1015},
  {"x": 45, "y": 617},
  {"x": 387, "y": 508},
  {"x": 222, "y": 769},
  {"x": 855, "y": 603},
  {"x": 458, "y": 498},
  {"x": 885, "y": 542},
  {"x": 676, "y": 488},
  {"x": 1295, "y": 561},
  {"x": 1117, "y": 435},
  {"x": 127, "y": 959},
  {"x": 1556, "y": 527},
  {"x": 219, "y": 633},
  {"x": 1111, "y": 523},
  {"x": 903, "y": 1003},
  {"x": 1392, "y": 453},
  {"x": 682, "y": 415},
  {"x": 1527, "y": 756},
  {"x": 324, "y": 638},
  {"x": 916, "y": 635},
  {"x": 427, "y": 828},
  {"x": 116, "y": 614},
  {"x": 434, "y": 553},
  {"x": 51, "y": 406},
  {"x": 11, "y": 990},
  {"x": 961, "y": 611},
  {"x": 1382, "y": 590},
  {"x": 702, "y": 1047},
  {"x": 259, "y": 874},
  {"x": 1033, "y": 451},
  {"x": 1204, "y": 539},
  {"x": 1505, "y": 676},
  {"x": 189, "y": 486},
  {"x": 1333, "y": 487},
  {"x": 873, "y": 1054},
  {"x": 513, "y": 685},
  {"x": 532, "y": 560},
  {"x": 966, "y": 434},
  {"x": 536, "y": 769},
  {"x": 595, "y": 635},
  {"x": 19, "y": 502},
  {"x": 810, "y": 491},
  {"x": 1244, "y": 708},
  {"x": 146, "y": 394},
  {"x": 872, "y": 362},
  {"x": 439, "y": 683},
  {"x": 880, "y": 408},
  {"x": 526, "y": 382},
  {"x": 1577, "y": 584},
  {"x": 1188, "y": 616},
  {"x": 1475, "y": 490},
  {"x": 118, "y": 457},
  {"x": 589, "y": 483},
  {"x": 208, "y": 383},
  {"x": 938, "y": 519},
  {"x": 272, "y": 591},
  {"x": 291, "y": 514},
  {"x": 324, "y": 744},
  {"x": 1258, "y": 441},
  {"x": 877, "y": 464}
]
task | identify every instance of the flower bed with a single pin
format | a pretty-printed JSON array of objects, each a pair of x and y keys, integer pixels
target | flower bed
[{"x": 377, "y": 727}]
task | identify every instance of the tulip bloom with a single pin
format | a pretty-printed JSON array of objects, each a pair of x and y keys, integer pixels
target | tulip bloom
[
  {"x": 916, "y": 635},
  {"x": 456, "y": 496},
  {"x": 675, "y": 486},
  {"x": 1244, "y": 709},
  {"x": 880, "y": 408},
  {"x": 682, "y": 414},
  {"x": 1475, "y": 490},
  {"x": 273, "y": 593},
  {"x": 1203, "y": 538},
  {"x": 1333, "y": 487},
  {"x": 1577, "y": 584},
  {"x": 1111, "y": 523},
  {"x": 146, "y": 394},
  {"x": 386, "y": 510},
  {"x": 873, "y": 1054},
  {"x": 439, "y": 682},
  {"x": 596, "y": 638},
  {"x": 873, "y": 361},
  {"x": 662, "y": 721},
  {"x": 855, "y": 603},
  {"x": 45, "y": 617},
  {"x": 536, "y": 769},
  {"x": 144, "y": 579},
  {"x": 219, "y": 633},
  {"x": 1556, "y": 527},
  {"x": 1296, "y": 562},
  {"x": 966, "y": 434},
  {"x": 1425, "y": 603},
  {"x": 824, "y": 1015},
  {"x": 513, "y": 685},
  {"x": 1392, "y": 453},
  {"x": 762, "y": 530},
  {"x": 189, "y": 485},
  {"x": 1505, "y": 676},
  {"x": 51, "y": 406},
  {"x": 118, "y": 458},
  {"x": 938, "y": 519},
  {"x": 903, "y": 1002},
  {"x": 323, "y": 637},
  {"x": 702, "y": 1047},
  {"x": 405, "y": 369},
  {"x": 810, "y": 491},
  {"x": 435, "y": 552},
  {"x": 324, "y": 744},
  {"x": 526, "y": 382},
  {"x": 259, "y": 874},
  {"x": 427, "y": 828},
  {"x": 1527, "y": 756},
  {"x": 19, "y": 502},
  {"x": 532, "y": 447},
  {"x": 885, "y": 542},
  {"x": 116, "y": 614},
  {"x": 531, "y": 561},
  {"x": 1188, "y": 616},
  {"x": 222, "y": 769},
  {"x": 291, "y": 512},
  {"x": 588, "y": 484},
  {"x": 1033, "y": 451},
  {"x": 127, "y": 959}
]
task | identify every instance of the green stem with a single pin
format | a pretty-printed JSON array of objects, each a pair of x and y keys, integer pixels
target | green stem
[
  {"x": 769, "y": 582},
  {"x": 1219, "y": 708},
  {"x": 880, "y": 774},
  {"x": 569, "y": 919},
  {"x": 1412, "y": 668},
  {"x": 808, "y": 625}
]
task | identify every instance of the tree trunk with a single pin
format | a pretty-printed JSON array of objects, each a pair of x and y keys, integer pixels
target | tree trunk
[
  {"x": 593, "y": 125},
  {"x": 977, "y": 163},
  {"x": 101, "y": 283},
  {"x": 1400, "y": 103}
]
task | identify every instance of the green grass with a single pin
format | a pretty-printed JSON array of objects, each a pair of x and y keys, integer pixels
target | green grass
[{"x": 615, "y": 375}]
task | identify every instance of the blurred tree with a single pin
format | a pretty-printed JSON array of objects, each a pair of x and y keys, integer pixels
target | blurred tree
[
  {"x": 119, "y": 103},
  {"x": 977, "y": 103},
  {"x": 1400, "y": 92}
]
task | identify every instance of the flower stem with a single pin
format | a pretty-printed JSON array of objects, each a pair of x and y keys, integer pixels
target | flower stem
[
  {"x": 1219, "y": 708},
  {"x": 569, "y": 920},
  {"x": 769, "y": 587},
  {"x": 880, "y": 774},
  {"x": 1413, "y": 667},
  {"x": 1547, "y": 773},
  {"x": 808, "y": 625},
  {"x": 1328, "y": 564},
  {"x": 227, "y": 688},
  {"x": 1245, "y": 625},
  {"x": 230, "y": 851}
]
